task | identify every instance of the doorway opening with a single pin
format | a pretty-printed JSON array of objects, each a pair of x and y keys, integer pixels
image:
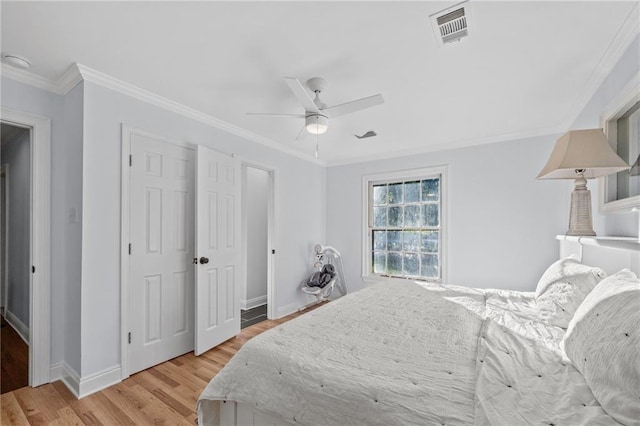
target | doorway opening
[
  {"x": 257, "y": 244},
  {"x": 15, "y": 255}
]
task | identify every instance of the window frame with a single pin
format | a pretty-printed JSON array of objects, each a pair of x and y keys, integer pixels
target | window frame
[
  {"x": 367, "y": 218},
  {"x": 626, "y": 99}
]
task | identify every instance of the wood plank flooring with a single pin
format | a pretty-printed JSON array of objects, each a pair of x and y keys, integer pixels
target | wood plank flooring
[
  {"x": 162, "y": 395},
  {"x": 14, "y": 359}
]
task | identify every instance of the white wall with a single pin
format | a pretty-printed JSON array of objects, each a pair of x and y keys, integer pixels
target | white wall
[
  {"x": 299, "y": 217},
  {"x": 502, "y": 221},
  {"x": 65, "y": 113},
  {"x": 17, "y": 156},
  {"x": 621, "y": 223},
  {"x": 255, "y": 198}
]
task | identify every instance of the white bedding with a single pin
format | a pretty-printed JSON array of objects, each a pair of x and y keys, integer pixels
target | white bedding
[{"x": 406, "y": 354}]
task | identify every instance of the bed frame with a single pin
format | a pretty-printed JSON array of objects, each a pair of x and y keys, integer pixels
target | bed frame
[{"x": 610, "y": 253}]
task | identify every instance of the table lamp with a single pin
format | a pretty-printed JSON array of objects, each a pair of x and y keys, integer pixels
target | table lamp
[{"x": 582, "y": 155}]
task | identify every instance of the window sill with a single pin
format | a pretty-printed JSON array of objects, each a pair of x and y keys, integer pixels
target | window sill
[{"x": 373, "y": 279}]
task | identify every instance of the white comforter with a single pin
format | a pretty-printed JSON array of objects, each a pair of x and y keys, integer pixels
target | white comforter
[{"x": 409, "y": 354}]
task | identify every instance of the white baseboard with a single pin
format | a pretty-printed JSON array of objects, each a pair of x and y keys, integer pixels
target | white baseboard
[
  {"x": 69, "y": 377},
  {"x": 288, "y": 309},
  {"x": 17, "y": 325},
  {"x": 253, "y": 303},
  {"x": 56, "y": 372},
  {"x": 85, "y": 386}
]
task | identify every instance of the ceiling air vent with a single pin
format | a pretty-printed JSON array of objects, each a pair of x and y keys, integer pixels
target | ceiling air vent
[{"x": 451, "y": 24}]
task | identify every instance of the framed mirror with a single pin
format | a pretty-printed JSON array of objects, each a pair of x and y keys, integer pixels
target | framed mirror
[{"x": 621, "y": 124}]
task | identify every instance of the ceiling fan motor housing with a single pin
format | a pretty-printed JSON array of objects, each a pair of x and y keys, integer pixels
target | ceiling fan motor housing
[{"x": 316, "y": 124}]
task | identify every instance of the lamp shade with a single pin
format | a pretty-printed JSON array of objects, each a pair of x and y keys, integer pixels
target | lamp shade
[{"x": 587, "y": 150}]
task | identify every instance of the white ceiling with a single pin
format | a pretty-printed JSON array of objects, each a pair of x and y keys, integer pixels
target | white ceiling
[{"x": 526, "y": 69}]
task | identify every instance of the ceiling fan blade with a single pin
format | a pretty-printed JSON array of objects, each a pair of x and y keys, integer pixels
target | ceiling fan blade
[
  {"x": 302, "y": 133},
  {"x": 300, "y": 92},
  {"x": 353, "y": 106},
  {"x": 268, "y": 114}
]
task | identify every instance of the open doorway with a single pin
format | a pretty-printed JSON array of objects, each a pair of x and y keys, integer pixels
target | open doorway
[
  {"x": 15, "y": 255},
  {"x": 258, "y": 251}
]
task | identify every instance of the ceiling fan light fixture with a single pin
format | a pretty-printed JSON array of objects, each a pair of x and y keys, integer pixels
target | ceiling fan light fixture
[{"x": 316, "y": 124}]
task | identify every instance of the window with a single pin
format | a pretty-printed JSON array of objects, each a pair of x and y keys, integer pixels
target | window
[
  {"x": 621, "y": 124},
  {"x": 404, "y": 232}
]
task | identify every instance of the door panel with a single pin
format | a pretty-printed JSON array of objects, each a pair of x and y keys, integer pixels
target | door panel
[
  {"x": 217, "y": 206},
  {"x": 162, "y": 223}
]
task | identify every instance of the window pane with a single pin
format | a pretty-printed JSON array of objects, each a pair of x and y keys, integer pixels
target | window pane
[
  {"x": 411, "y": 241},
  {"x": 411, "y": 265},
  {"x": 431, "y": 190},
  {"x": 379, "y": 217},
  {"x": 379, "y": 240},
  {"x": 430, "y": 215},
  {"x": 395, "y": 217},
  {"x": 412, "y": 192},
  {"x": 394, "y": 263},
  {"x": 429, "y": 265},
  {"x": 379, "y": 195},
  {"x": 429, "y": 242},
  {"x": 394, "y": 240},
  {"x": 395, "y": 193},
  {"x": 379, "y": 262},
  {"x": 412, "y": 216}
]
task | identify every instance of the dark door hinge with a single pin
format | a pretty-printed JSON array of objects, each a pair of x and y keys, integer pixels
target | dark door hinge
[
  {"x": 273, "y": 251},
  {"x": 33, "y": 269},
  {"x": 129, "y": 248},
  {"x": 129, "y": 337},
  {"x": 130, "y": 160}
]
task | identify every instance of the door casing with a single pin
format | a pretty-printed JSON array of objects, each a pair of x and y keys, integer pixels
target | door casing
[{"x": 40, "y": 242}]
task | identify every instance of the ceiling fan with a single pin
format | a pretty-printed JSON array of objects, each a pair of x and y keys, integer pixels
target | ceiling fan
[{"x": 316, "y": 113}]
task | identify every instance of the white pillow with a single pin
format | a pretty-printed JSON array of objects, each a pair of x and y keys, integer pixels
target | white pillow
[
  {"x": 563, "y": 287},
  {"x": 603, "y": 342}
]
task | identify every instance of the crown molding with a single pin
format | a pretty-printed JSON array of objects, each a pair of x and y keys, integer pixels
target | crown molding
[
  {"x": 28, "y": 78},
  {"x": 78, "y": 72},
  {"x": 461, "y": 143},
  {"x": 105, "y": 80},
  {"x": 622, "y": 40}
]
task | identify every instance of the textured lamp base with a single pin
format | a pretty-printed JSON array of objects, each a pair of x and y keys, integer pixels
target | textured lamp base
[{"x": 580, "y": 223}]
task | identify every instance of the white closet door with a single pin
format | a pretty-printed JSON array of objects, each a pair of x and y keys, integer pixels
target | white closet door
[
  {"x": 162, "y": 199},
  {"x": 217, "y": 248}
]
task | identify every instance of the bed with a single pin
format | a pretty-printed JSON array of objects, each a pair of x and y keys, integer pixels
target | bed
[{"x": 420, "y": 353}]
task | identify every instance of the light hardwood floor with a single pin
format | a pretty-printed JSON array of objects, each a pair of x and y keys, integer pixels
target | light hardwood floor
[{"x": 162, "y": 395}]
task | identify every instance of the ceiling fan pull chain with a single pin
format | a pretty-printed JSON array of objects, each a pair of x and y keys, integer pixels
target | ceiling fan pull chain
[{"x": 316, "y": 146}]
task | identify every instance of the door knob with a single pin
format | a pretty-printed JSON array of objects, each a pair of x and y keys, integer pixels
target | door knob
[{"x": 204, "y": 260}]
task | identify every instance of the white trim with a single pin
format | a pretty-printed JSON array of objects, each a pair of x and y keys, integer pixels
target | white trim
[
  {"x": 78, "y": 72},
  {"x": 61, "y": 86},
  {"x": 40, "y": 290},
  {"x": 56, "y": 372},
  {"x": 253, "y": 303},
  {"x": 288, "y": 309},
  {"x": 628, "y": 31},
  {"x": 4, "y": 169},
  {"x": 81, "y": 387},
  {"x": 441, "y": 170},
  {"x": 628, "y": 96},
  {"x": 19, "y": 327},
  {"x": 71, "y": 379},
  {"x": 135, "y": 92},
  {"x": 126, "y": 132},
  {"x": 462, "y": 143},
  {"x": 84, "y": 386},
  {"x": 98, "y": 381},
  {"x": 272, "y": 240}
]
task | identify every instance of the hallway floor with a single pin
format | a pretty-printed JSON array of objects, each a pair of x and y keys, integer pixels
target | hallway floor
[
  {"x": 253, "y": 316},
  {"x": 14, "y": 359}
]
